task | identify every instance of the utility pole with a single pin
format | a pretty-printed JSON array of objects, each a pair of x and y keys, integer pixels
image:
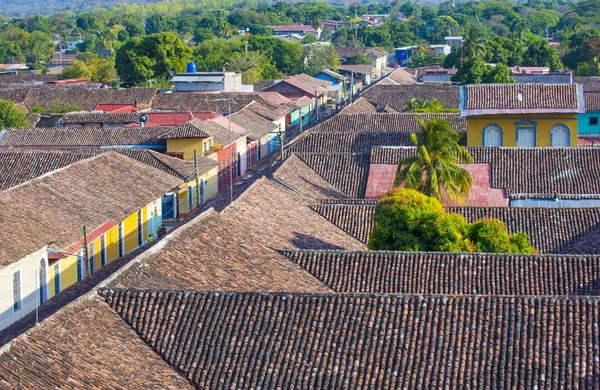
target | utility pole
[
  {"x": 85, "y": 252},
  {"x": 196, "y": 177},
  {"x": 301, "y": 119}
]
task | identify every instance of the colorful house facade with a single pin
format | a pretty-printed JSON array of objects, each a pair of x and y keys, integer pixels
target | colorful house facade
[
  {"x": 522, "y": 115},
  {"x": 42, "y": 251},
  {"x": 588, "y": 122}
]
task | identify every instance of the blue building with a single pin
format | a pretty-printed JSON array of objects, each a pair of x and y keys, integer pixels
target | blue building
[
  {"x": 588, "y": 122},
  {"x": 403, "y": 55},
  {"x": 337, "y": 91}
]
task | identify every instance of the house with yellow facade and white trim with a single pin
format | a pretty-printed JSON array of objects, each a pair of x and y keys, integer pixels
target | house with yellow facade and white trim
[
  {"x": 118, "y": 199},
  {"x": 522, "y": 115}
]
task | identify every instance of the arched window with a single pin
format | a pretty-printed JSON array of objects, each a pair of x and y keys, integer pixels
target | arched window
[
  {"x": 560, "y": 135},
  {"x": 492, "y": 135},
  {"x": 43, "y": 281}
]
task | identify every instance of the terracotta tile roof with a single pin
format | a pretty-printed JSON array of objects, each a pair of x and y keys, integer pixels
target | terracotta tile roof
[
  {"x": 270, "y": 111},
  {"x": 312, "y": 81},
  {"x": 481, "y": 99},
  {"x": 347, "y": 172},
  {"x": 88, "y": 99},
  {"x": 590, "y": 83},
  {"x": 346, "y": 52},
  {"x": 194, "y": 128},
  {"x": 202, "y": 102},
  {"x": 360, "y": 106},
  {"x": 257, "y": 125},
  {"x": 385, "y": 122},
  {"x": 122, "y": 117},
  {"x": 550, "y": 230},
  {"x": 17, "y": 95},
  {"x": 592, "y": 101},
  {"x": 20, "y": 165},
  {"x": 300, "y": 177},
  {"x": 85, "y": 345},
  {"x": 25, "y": 79},
  {"x": 528, "y": 172},
  {"x": 90, "y": 192},
  {"x": 398, "y": 77},
  {"x": 116, "y": 108},
  {"x": 311, "y": 88},
  {"x": 452, "y": 273},
  {"x": 356, "y": 341},
  {"x": 396, "y": 96},
  {"x": 347, "y": 142},
  {"x": 236, "y": 250},
  {"x": 357, "y": 68},
  {"x": 83, "y": 136}
]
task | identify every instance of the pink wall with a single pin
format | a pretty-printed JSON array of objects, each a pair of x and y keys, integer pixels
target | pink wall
[{"x": 381, "y": 181}]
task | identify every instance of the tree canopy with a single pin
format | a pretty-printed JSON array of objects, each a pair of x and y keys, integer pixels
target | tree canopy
[
  {"x": 153, "y": 56},
  {"x": 406, "y": 220},
  {"x": 11, "y": 116}
]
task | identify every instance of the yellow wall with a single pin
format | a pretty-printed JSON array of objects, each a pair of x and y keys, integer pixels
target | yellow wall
[
  {"x": 187, "y": 146},
  {"x": 545, "y": 122},
  {"x": 182, "y": 198},
  {"x": 130, "y": 232},
  {"x": 68, "y": 265},
  {"x": 68, "y": 271},
  {"x": 112, "y": 244}
]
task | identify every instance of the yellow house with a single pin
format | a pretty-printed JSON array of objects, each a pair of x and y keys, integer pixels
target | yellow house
[
  {"x": 522, "y": 115},
  {"x": 118, "y": 199}
]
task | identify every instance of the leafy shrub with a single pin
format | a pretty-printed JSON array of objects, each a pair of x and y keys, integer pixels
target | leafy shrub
[{"x": 407, "y": 220}]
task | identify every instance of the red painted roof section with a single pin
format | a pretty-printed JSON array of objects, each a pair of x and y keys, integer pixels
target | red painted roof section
[
  {"x": 116, "y": 108},
  {"x": 70, "y": 81},
  {"x": 91, "y": 236},
  {"x": 381, "y": 181},
  {"x": 172, "y": 119}
]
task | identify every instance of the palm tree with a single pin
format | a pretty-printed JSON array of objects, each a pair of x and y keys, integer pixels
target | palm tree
[
  {"x": 435, "y": 165},
  {"x": 413, "y": 104},
  {"x": 474, "y": 45}
]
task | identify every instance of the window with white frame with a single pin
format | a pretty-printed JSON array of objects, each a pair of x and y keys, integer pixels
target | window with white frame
[
  {"x": 16, "y": 287},
  {"x": 140, "y": 228},
  {"x": 492, "y": 135},
  {"x": 80, "y": 268},
  {"x": 560, "y": 135}
]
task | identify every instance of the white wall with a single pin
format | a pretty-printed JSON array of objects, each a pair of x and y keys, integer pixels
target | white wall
[
  {"x": 29, "y": 268},
  {"x": 240, "y": 146}
]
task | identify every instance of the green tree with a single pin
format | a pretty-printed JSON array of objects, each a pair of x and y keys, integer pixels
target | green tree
[
  {"x": 253, "y": 66},
  {"x": 408, "y": 9},
  {"x": 154, "y": 56},
  {"x": 490, "y": 236},
  {"x": 11, "y": 116},
  {"x": 360, "y": 59},
  {"x": 435, "y": 168},
  {"x": 319, "y": 57},
  {"x": 500, "y": 74},
  {"x": 434, "y": 105},
  {"x": 539, "y": 53},
  {"x": 406, "y": 220},
  {"x": 472, "y": 71},
  {"x": 473, "y": 46}
]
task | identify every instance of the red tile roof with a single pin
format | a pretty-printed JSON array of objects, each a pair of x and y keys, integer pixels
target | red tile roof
[
  {"x": 485, "y": 99},
  {"x": 116, "y": 108}
]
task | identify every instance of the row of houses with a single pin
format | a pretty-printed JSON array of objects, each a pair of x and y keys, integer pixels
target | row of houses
[
  {"x": 100, "y": 185},
  {"x": 298, "y": 282}
]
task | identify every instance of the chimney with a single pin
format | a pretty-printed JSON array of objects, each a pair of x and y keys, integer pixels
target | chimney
[{"x": 135, "y": 103}]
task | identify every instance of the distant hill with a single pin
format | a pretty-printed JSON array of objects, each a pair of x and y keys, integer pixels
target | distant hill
[{"x": 20, "y": 8}]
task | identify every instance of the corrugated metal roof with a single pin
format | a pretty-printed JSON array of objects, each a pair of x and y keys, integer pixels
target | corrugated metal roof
[{"x": 197, "y": 79}]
